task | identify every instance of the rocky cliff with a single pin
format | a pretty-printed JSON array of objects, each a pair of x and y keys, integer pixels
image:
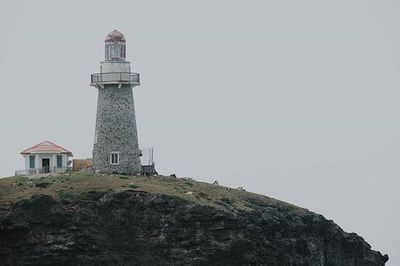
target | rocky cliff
[{"x": 115, "y": 220}]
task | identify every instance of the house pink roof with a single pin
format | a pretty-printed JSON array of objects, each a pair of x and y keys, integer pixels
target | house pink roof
[{"x": 46, "y": 147}]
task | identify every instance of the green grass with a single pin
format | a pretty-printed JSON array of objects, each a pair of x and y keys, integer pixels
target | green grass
[
  {"x": 71, "y": 195},
  {"x": 83, "y": 186}
]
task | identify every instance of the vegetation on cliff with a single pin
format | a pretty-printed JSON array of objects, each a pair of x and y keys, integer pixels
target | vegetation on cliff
[
  {"x": 75, "y": 185},
  {"x": 88, "y": 219}
]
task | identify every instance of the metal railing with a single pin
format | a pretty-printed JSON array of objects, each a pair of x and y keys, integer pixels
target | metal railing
[
  {"x": 42, "y": 170},
  {"x": 149, "y": 169},
  {"x": 115, "y": 77}
]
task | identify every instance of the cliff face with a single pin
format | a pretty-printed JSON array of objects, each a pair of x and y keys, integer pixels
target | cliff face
[{"x": 138, "y": 227}]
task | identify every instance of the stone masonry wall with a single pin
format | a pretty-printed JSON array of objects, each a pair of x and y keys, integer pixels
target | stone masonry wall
[{"x": 116, "y": 131}]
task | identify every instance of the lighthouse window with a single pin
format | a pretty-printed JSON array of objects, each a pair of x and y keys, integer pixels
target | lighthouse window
[{"x": 114, "y": 158}]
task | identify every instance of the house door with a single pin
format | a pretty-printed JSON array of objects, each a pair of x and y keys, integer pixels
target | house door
[{"x": 46, "y": 165}]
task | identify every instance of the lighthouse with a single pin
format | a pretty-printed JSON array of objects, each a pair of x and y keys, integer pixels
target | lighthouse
[{"x": 116, "y": 148}]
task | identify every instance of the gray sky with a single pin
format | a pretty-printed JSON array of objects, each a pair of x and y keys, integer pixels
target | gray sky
[{"x": 298, "y": 100}]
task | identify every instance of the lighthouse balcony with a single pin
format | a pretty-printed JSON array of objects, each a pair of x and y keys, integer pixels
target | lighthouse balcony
[{"x": 115, "y": 78}]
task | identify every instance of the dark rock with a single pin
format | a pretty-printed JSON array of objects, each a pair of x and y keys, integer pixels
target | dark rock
[{"x": 140, "y": 228}]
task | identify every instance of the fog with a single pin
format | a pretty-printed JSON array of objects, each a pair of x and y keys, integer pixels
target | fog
[{"x": 297, "y": 100}]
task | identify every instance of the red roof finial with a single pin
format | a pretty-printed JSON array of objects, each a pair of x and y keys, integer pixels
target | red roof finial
[{"x": 115, "y": 36}]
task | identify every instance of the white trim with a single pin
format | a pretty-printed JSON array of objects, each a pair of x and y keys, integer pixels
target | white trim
[
  {"x": 37, "y": 159},
  {"x": 111, "y": 154},
  {"x": 95, "y": 137}
]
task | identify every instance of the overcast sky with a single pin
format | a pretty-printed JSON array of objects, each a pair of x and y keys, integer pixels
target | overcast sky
[{"x": 298, "y": 100}]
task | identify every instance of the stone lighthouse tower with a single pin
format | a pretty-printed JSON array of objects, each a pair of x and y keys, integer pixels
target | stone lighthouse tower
[{"x": 116, "y": 148}]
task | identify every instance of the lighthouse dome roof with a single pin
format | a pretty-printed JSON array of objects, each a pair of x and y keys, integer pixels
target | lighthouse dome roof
[{"x": 115, "y": 36}]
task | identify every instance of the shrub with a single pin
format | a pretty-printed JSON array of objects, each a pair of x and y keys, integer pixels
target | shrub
[{"x": 42, "y": 184}]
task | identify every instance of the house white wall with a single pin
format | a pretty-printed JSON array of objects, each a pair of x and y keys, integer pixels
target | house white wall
[
  {"x": 27, "y": 161},
  {"x": 40, "y": 156}
]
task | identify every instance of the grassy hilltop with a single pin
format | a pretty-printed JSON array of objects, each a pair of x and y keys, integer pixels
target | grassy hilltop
[
  {"x": 93, "y": 219},
  {"x": 76, "y": 186}
]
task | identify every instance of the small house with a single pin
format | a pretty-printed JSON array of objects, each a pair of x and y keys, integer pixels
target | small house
[{"x": 45, "y": 157}]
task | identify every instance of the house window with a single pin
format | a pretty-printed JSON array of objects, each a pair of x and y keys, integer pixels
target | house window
[
  {"x": 32, "y": 161},
  {"x": 114, "y": 158},
  {"x": 59, "y": 161}
]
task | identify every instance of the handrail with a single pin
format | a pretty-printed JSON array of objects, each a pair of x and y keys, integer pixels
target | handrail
[
  {"x": 111, "y": 77},
  {"x": 43, "y": 170}
]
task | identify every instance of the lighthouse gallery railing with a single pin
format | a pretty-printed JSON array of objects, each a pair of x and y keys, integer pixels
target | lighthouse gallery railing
[{"x": 118, "y": 77}]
